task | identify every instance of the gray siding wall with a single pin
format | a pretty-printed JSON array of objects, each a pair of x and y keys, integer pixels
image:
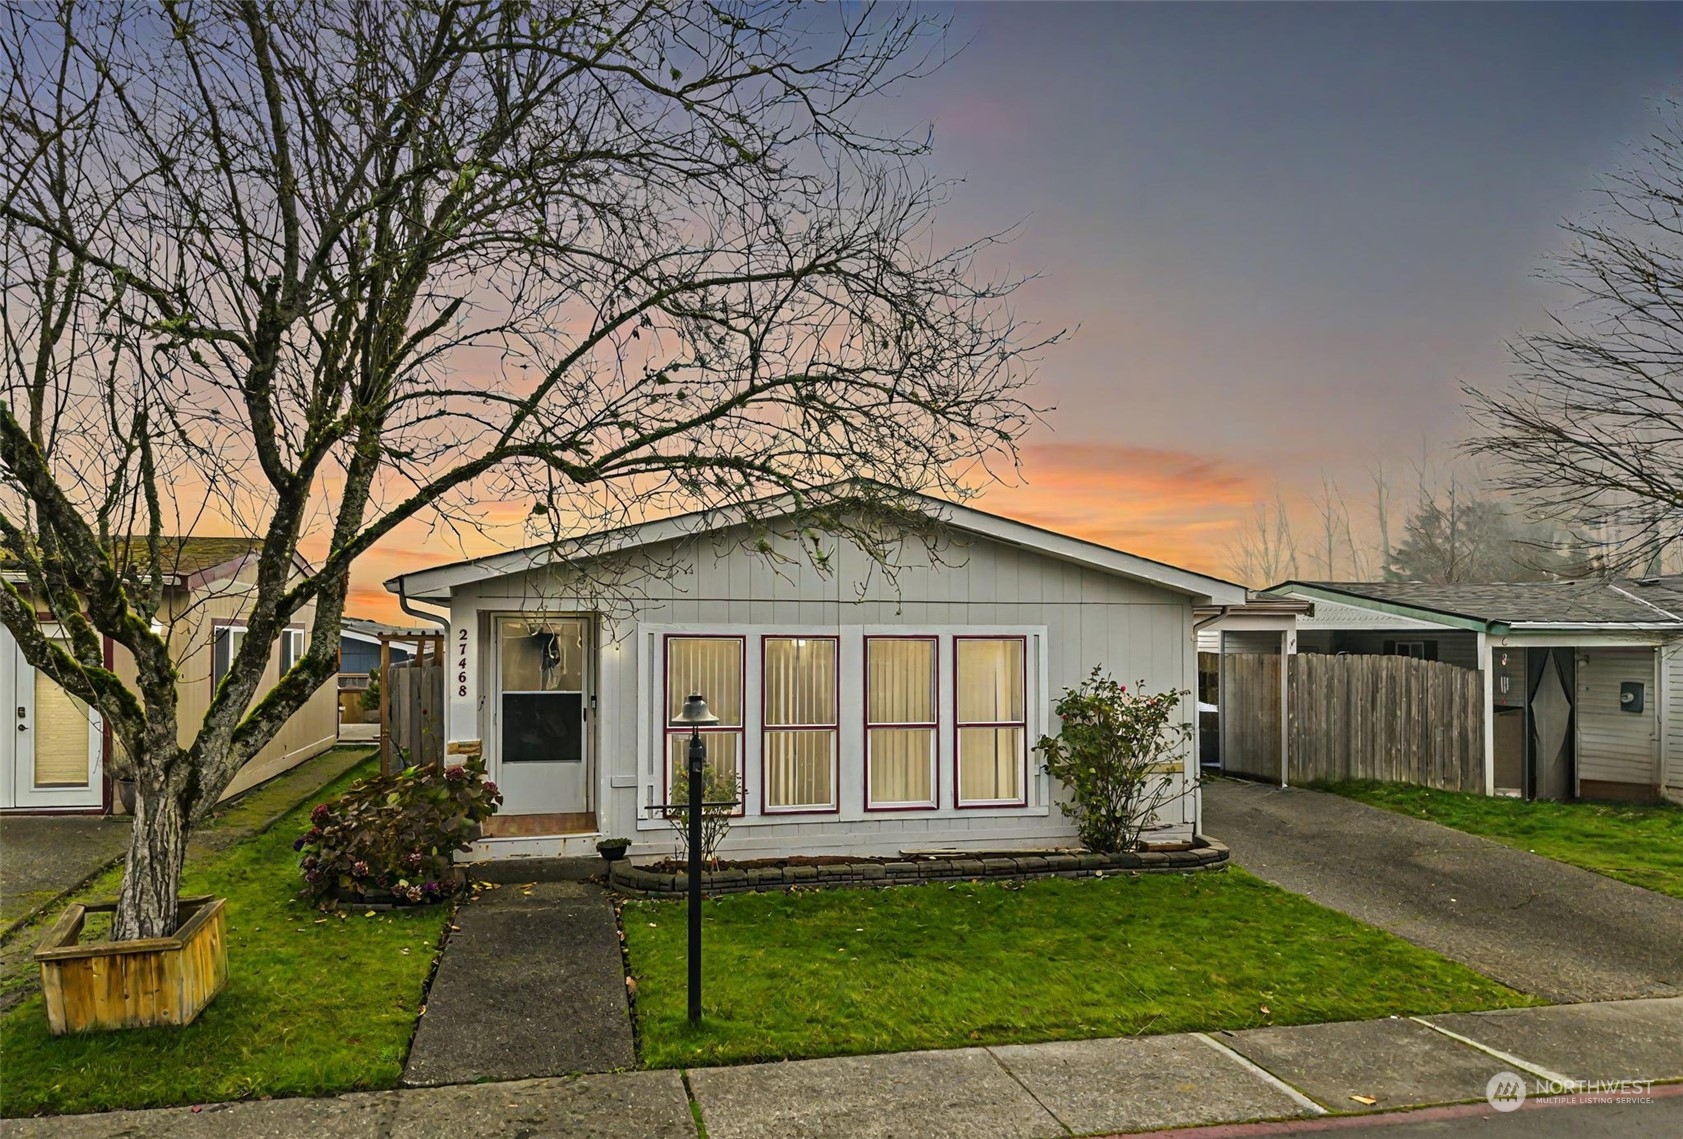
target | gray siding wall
[
  {"x": 1455, "y": 646},
  {"x": 1671, "y": 663},
  {"x": 1140, "y": 633},
  {"x": 1616, "y": 746}
]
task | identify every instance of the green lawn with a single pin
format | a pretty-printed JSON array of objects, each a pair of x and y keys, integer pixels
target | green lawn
[
  {"x": 852, "y": 971},
  {"x": 314, "y": 1004},
  {"x": 1642, "y": 845}
]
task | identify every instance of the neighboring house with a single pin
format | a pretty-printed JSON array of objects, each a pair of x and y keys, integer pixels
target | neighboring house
[
  {"x": 1583, "y": 680},
  {"x": 58, "y": 757},
  {"x": 359, "y": 655},
  {"x": 861, "y": 714},
  {"x": 1265, "y": 626}
]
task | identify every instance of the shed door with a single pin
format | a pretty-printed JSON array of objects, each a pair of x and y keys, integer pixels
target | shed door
[
  {"x": 51, "y": 742},
  {"x": 1618, "y": 750}
]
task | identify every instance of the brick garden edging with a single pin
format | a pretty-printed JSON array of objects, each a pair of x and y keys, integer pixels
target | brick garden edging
[{"x": 629, "y": 879}]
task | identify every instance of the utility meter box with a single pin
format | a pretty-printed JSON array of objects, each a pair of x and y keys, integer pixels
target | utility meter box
[{"x": 1630, "y": 696}]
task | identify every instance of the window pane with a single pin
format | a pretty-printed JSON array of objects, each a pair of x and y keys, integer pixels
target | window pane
[
  {"x": 721, "y": 755},
  {"x": 711, "y": 666},
  {"x": 990, "y": 764},
  {"x": 900, "y": 765},
  {"x": 990, "y": 681},
  {"x": 542, "y": 655},
  {"x": 800, "y": 681},
  {"x": 798, "y": 769},
  {"x": 61, "y": 736},
  {"x": 543, "y": 727},
  {"x": 900, "y": 681}
]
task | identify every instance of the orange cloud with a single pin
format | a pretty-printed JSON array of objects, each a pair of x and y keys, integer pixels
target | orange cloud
[{"x": 1175, "y": 506}]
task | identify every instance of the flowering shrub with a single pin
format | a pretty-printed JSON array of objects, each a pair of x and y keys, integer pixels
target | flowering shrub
[
  {"x": 395, "y": 834},
  {"x": 1116, "y": 755}
]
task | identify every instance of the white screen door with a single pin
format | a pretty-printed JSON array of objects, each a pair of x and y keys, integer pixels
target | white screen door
[{"x": 543, "y": 714}]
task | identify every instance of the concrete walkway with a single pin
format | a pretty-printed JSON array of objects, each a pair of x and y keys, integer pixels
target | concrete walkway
[
  {"x": 1035, "y": 1091},
  {"x": 531, "y": 983},
  {"x": 1532, "y": 923}
]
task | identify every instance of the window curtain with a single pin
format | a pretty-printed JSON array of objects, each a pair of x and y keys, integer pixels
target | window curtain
[
  {"x": 990, "y": 681},
  {"x": 900, "y": 690},
  {"x": 800, "y": 693},
  {"x": 711, "y": 666}
]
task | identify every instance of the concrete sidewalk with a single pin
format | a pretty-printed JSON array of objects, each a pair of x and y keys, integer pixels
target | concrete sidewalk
[
  {"x": 1534, "y": 924},
  {"x": 1037, "y": 1091}
]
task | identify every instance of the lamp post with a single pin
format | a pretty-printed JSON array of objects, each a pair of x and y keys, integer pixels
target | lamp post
[{"x": 695, "y": 714}]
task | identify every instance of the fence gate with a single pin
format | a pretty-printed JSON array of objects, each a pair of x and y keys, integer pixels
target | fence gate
[{"x": 1250, "y": 714}]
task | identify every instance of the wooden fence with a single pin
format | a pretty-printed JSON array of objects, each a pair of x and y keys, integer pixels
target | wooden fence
[
  {"x": 1390, "y": 718},
  {"x": 415, "y": 715}
]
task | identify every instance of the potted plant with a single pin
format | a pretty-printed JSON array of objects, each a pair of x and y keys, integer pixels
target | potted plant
[{"x": 612, "y": 849}]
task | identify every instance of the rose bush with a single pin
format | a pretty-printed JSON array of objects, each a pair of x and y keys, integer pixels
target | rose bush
[
  {"x": 395, "y": 834},
  {"x": 1120, "y": 755}
]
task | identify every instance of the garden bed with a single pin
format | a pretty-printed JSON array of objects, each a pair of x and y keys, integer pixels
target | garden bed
[{"x": 761, "y": 875}]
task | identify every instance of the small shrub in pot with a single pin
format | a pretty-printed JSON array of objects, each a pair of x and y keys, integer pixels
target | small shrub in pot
[
  {"x": 613, "y": 849},
  {"x": 392, "y": 837}
]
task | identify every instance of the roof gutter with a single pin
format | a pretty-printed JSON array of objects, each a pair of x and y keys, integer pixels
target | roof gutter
[{"x": 408, "y": 607}]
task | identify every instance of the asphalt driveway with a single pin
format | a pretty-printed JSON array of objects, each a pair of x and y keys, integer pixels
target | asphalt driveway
[{"x": 1534, "y": 924}]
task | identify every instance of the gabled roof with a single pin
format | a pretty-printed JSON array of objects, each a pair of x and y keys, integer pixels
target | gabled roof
[
  {"x": 182, "y": 558},
  {"x": 364, "y": 629},
  {"x": 1650, "y": 603},
  {"x": 436, "y": 584}
]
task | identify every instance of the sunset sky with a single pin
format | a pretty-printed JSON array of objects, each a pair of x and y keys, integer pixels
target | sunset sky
[{"x": 1284, "y": 234}]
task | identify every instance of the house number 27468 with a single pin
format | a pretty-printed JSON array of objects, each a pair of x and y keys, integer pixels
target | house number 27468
[{"x": 461, "y": 661}]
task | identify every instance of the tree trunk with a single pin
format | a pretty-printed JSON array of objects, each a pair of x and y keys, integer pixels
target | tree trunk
[{"x": 146, "y": 907}]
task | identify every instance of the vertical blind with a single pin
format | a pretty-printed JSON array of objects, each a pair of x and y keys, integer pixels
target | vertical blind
[
  {"x": 900, "y": 720},
  {"x": 992, "y": 710},
  {"x": 800, "y": 721},
  {"x": 711, "y": 666}
]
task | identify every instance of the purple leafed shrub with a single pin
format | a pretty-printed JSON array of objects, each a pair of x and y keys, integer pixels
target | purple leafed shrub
[{"x": 394, "y": 834}]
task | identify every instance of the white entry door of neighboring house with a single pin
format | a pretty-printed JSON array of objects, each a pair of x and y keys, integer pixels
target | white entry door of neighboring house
[
  {"x": 50, "y": 742},
  {"x": 542, "y": 717}
]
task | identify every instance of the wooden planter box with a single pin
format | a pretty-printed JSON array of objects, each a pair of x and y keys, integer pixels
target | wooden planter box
[{"x": 134, "y": 984}]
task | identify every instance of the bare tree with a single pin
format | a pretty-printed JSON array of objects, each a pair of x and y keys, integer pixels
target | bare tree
[
  {"x": 1264, "y": 551},
  {"x": 319, "y": 267},
  {"x": 1591, "y": 426}
]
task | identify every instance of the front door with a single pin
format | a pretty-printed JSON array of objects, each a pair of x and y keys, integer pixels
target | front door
[
  {"x": 545, "y": 669},
  {"x": 50, "y": 742}
]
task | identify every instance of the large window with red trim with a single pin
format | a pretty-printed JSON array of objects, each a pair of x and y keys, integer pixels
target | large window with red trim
[
  {"x": 712, "y": 666},
  {"x": 990, "y": 713},
  {"x": 901, "y": 722},
  {"x": 799, "y": 719}
]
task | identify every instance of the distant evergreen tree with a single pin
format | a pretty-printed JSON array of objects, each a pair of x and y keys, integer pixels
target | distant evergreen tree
[{"x": 1464, "y": 538}]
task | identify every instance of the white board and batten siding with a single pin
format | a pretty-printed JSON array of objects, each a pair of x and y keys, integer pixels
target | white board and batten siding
[
  {"x": 1671, "y": 717},
  {"x": 1615, "y": 746},
  {"x": 1075, "y": 618}
]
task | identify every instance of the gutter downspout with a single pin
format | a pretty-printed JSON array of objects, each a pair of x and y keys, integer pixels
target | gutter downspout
[{"x": 408, "y": 607}]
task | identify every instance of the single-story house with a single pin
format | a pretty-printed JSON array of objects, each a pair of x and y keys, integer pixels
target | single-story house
[
  {"x": 862, "y": 712},
  {"x": 1583, "y": 680},
  {"x": 58, "y": 760}
]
